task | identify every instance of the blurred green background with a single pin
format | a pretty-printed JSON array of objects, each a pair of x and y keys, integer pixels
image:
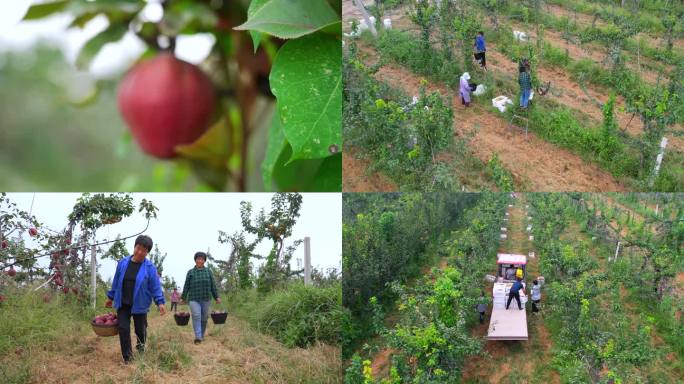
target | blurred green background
[{"x": 49, "y": 142}]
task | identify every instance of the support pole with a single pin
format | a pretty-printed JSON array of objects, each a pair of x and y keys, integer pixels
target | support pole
[
  {"x": 659, "y": 160},
  {"x": 362, "y": 9},
  {"x": 93, "y": 275},
  {"x": 307, "y": 260}
]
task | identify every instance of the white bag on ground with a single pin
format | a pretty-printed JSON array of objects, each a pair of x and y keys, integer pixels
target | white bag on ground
[
  {"x": 519, "y": 35},
  {"x": 500, "y": 103},
  {"x": 479, "y": 90}
]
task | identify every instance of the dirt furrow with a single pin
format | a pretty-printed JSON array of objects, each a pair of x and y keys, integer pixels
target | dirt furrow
[
  {"x": 531, "y": 160},
  {"x": 355, "y": 176}
]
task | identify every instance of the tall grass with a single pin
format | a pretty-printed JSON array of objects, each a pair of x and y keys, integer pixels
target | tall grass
[{"x": 296, "y": 315}]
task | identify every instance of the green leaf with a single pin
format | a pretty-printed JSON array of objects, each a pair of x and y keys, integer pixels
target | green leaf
[
  {"x": 307, "y": 81},
  {"x": 333, "y": 29},
  {"x": 294, "y": 175},
  {"x": 336, "y": 5},
  {"x": 276, "y": 145},
  {"x": 115, "y": 10},
  {"x": 83, "y": 19},
  {"x": 113, "y": 33},
  {"x": 299, "y": 175},
  {"x": 256, "y": 39},
  {"x": 212, "y": 148},
  {"x": 329, "y": 175},
  {"x": 188, "y": 17},
  {"x": 40, "y": 11},
  {"x": 256, "y": 36},
  {"x": 289, "y": 19}
]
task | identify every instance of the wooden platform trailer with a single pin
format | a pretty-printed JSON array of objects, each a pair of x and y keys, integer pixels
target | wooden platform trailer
[{"x": 508, "y": 324}]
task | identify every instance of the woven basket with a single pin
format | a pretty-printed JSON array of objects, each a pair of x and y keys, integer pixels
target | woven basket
[
  {"x": 105, "y": 330},
  {"x": 181, "y": 320},
  {"x": 219, "y": 318}
]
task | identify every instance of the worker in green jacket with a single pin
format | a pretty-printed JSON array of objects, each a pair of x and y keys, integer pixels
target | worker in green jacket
[
  {"x": 198, "y": 290},
  {"x": 525, "y": 82}
]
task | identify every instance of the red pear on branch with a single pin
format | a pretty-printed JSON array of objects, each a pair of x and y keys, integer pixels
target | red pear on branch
[{"x": 166, "y": 102}]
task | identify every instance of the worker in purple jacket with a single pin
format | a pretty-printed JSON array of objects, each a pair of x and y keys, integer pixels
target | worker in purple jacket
[{"x": 465, "y": 89}]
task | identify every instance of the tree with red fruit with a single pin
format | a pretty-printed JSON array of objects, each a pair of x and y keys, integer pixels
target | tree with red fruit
[
  {"x": 13, "y": 250},
  {"x": 71, "y": 266},
  {"x": 68, "y": 250},
  {"x": 277, "y": 58}
]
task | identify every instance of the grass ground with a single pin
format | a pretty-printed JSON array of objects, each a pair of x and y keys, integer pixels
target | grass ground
[{"x": 59, "y": 347}]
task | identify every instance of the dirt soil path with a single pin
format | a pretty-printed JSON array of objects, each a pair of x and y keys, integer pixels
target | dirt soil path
[
  {"x": 355, "y": 175},
  {"x": 586, "y": 19},
  {"x": 536, "y": 164},
  {"x": 565, "y": 90},
  {"x": 515, "y": 361},
  {"x": 231, "y": 353}
]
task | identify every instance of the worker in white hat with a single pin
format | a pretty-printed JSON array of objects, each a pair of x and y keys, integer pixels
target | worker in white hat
[{"x": 465, "y": 89}]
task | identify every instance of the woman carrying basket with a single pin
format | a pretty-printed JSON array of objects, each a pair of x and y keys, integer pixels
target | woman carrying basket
[{"x": 198, "y": 290}]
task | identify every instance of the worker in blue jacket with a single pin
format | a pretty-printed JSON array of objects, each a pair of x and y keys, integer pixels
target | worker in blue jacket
[
  {"x": 136, "y": 283},
  {"x": 515, "y": 292},
  {"x": 480, "y": 50}
]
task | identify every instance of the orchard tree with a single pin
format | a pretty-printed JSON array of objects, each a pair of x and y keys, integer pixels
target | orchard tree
[
  {"x": 14, "y": 222},
  {"x": 117, "y": 250},
  {"x": 659, "y": 109},
  {"x": 614, "y": 37},
  {"x": 425, "y": 16},
  {"x": 157, "y": 259},
  {"x": 169, "y": 283},
  {"x": 660, "y": 252},
  {"x": 447, "y": 12},
  {"x": 70, "y": 264},
  {"x": 275, "y": 226},
  {"x": 267, "y": 55},
  {"x": 238, "y": 268},
  {"x": 466, "y": 26},
  {"x": 493, "y": 8},
  {"x": 69, "y": 268}
]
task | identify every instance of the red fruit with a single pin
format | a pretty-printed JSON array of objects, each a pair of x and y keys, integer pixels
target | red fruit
[
  {"x": 109, "y": 322},
  {"x": 11, "y": 271},
  {"x": 33, "y": 232},
  {"x": 115, "y": 322},
  {"x": 166, "y": 102},
  {"x": 5, "y": 244},
  {"x": 99, "y": 321},
  {"x": 2, "y": 298},
  {"x": 65, "y": 290}
]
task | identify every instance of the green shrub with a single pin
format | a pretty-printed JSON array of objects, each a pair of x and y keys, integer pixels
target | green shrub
[
  {"x": 300, "y": 315},
  {"x": 502, "y": 177}
]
